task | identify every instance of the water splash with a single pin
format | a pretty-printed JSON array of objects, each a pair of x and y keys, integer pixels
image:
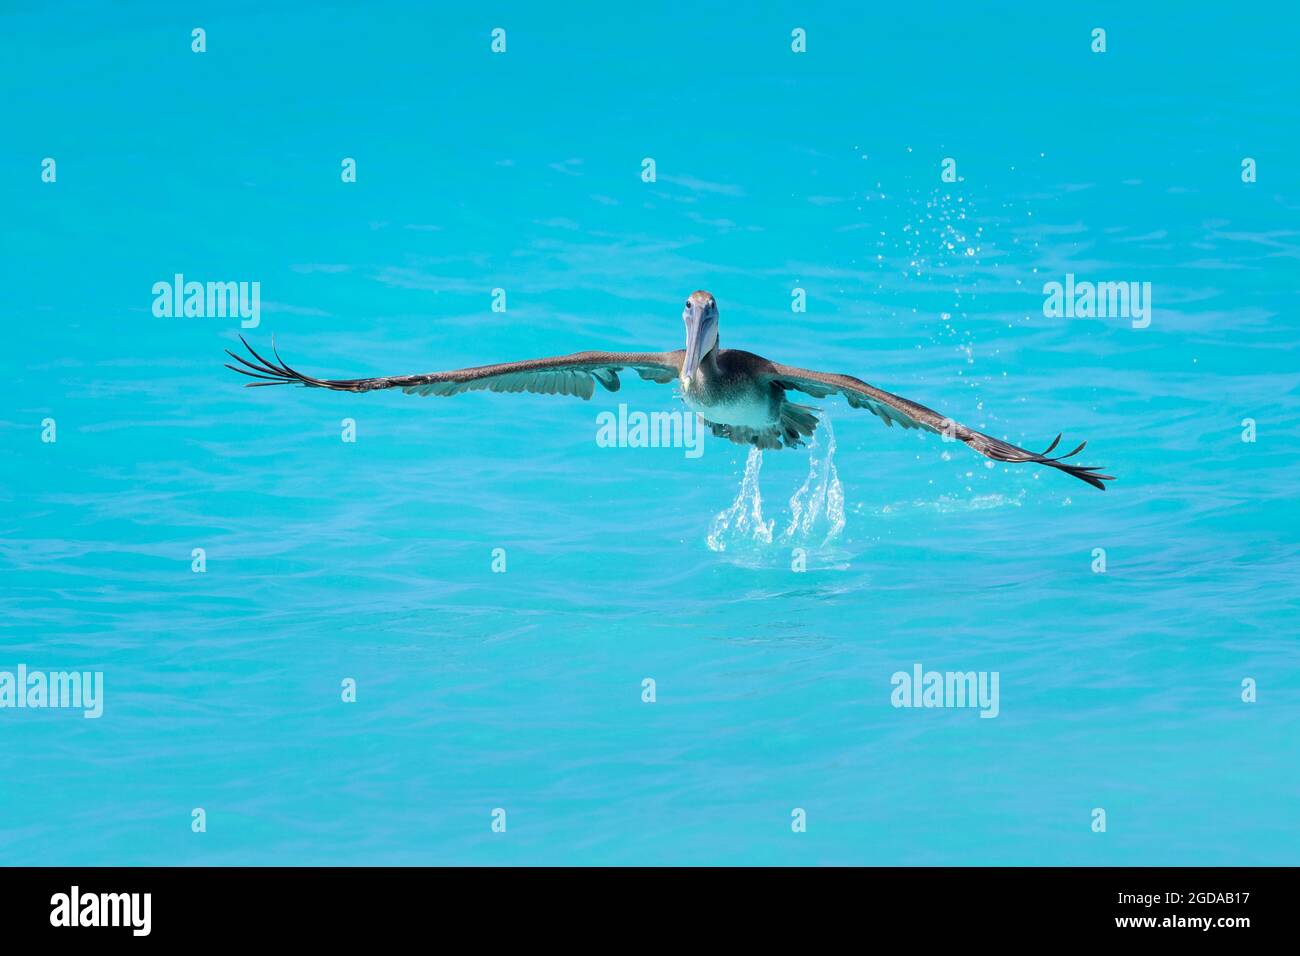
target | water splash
[
  {"x": 743, "y": 521},
  {"x": 819, "y": 502},
  {"x": 816, "y": 508}
]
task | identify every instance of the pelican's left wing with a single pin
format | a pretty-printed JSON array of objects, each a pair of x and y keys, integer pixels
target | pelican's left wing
[
  {"x": 575, "y": 374},
  {"x": 893, "y": 409}
]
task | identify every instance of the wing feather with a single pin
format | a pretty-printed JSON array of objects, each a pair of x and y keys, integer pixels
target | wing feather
[
  {"x": 894, "y": 409},
  {"x": 577, "y": 374}
]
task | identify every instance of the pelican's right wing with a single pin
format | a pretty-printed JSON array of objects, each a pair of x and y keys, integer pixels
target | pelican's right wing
[
  {"x": 894, "y": 409},
  {"x": 575, "y": 374}
]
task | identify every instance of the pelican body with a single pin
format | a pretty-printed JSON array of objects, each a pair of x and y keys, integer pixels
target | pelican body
[{"x": 742, "y": 397}]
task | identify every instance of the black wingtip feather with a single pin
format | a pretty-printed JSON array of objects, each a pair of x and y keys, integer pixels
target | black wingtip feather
[
  {"x": 1086, "y": 473},
  {"x": 1001, "y": 451},
  {"x": 279, "y": 372},
  {"x": 271, "y": 373}
]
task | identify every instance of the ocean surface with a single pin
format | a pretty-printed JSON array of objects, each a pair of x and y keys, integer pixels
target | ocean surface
[{"x": 498, "y": 586}]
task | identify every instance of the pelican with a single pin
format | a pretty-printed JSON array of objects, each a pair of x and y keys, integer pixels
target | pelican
[{"x": 741, "y": 396}]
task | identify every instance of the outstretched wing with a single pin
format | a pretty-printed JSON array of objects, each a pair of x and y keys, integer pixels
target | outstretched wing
[
  {"x": 575, "y": 374},
  {"x": 893, "y": 409}
]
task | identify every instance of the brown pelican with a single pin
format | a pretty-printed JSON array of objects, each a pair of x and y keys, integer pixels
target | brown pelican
[{"x": 740, "y": 395}]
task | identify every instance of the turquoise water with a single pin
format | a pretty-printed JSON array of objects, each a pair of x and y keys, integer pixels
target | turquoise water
[{"x": 373, "y": 559}]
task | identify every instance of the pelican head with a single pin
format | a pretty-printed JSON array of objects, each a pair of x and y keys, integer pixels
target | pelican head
[{"x": 701, "y": 318}]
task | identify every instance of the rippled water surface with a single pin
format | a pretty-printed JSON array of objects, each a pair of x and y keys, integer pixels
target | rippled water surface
[{"x": 373, "y": 560}]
